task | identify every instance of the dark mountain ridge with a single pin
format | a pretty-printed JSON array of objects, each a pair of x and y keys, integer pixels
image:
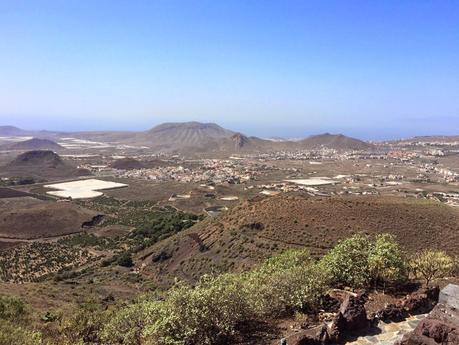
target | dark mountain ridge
[
  {"x": 42, "y": 164},
  {"x": 35, "y": 144}
]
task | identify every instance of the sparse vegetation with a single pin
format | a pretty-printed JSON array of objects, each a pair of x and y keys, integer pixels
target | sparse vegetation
[
  {"x": 86, "y": 239},
  {"x": 150, "y": 223},
  {"x": 12, "y": 308},
  {"x": 13, "y": 323},
  {"x": 32, "y": 262}
]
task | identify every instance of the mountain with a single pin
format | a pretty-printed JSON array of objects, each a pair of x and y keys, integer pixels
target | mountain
[
  {"x": 195, "y": 137},
  {"x": 11, "y": 131},
  {"x": 199, "y": 138},
  {"x": 41, "y": 164},
  {"x": 334, "y": 141},
  {"x": 35, "y": 144},
  {"x": 184, "y": 136},
  {"x": 15, "y": 131},
  {"x": 258, "y": 228},
  {"x": 38, "y": 158},
  {"x": 202, "y": 138}
]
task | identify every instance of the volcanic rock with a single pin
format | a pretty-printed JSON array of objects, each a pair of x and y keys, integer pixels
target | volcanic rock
[{"x": 441, "y": 326}]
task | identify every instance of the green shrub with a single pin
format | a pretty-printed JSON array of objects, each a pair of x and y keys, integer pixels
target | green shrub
[
  {"x": 432, "y": 264},
  {"x": 12, "y": 308},
  {"x": 359, "y": 261},
  {"x": 127, "y": 325},
  {"x": 11, "y": 333},
  {"x": 50, "y": 317},
  {"x": 205, "y": 314},
  {"x": 347, "y": 263},
  {"x": 211, "y": 311},
  {"x": 285, "y": 283},
  {"x": 84, "y": 324},
  {"x": 125, "y": 260}
]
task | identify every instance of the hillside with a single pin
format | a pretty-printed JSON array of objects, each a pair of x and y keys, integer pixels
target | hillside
[
  {"x": 41, "y": 163},
  {"x": 35, "y": 144},
  {"x": 127, "y": 164},
  {"x": 334, "y": 141},
  {"x": 257, "y": 229},
  {"x": 28, "y": 218}
]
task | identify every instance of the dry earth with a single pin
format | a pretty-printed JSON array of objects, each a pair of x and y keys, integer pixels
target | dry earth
[
  {"x": 30, "y": 218},
  {"x": 257, "y": 229}
]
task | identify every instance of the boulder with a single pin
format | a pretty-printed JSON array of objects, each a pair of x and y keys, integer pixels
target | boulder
[
  {"x": 441, "y": 326},
  {"x": 351, "y": 317},
  {"x": 392, "y": 313},
  {"x": 450, "y": 295},
  {"x": 419, "y": 302},
  {"x": 422, "y": 301},
  {"x": 312, "y": 336},
  {"x": 353, "y": 311}
]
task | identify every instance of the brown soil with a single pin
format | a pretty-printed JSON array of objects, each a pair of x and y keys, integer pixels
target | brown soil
[
  {"x": 29, "y": 218},
  {"x": 12, "y": 193}
]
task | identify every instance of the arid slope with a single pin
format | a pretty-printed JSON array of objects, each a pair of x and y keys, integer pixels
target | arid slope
[{"x": 255, "y": 230}]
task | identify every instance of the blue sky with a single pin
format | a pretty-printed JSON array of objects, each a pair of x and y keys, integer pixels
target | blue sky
[{"x": 372, "y": 69}]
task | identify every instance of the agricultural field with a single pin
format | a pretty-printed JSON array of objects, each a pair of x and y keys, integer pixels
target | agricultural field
[
  {"x": 34, "y": 261},
  {"x": 82, "y": 189}
]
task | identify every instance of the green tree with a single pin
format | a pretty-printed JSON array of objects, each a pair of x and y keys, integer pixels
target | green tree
[{"x": 432, "y": 264}]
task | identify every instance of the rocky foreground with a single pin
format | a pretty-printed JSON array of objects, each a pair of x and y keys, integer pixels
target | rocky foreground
[
  {"x": 441, "y": 326},
  {"x": 426, "y": 317}
]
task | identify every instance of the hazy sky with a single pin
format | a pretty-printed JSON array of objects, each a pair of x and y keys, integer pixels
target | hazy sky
[{"x": 372, "y": 69}]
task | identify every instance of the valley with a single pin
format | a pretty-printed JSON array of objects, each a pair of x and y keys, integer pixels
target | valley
[{"x": 108, "y": 217}]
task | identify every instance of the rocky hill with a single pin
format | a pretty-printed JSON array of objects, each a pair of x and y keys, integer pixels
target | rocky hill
[
  {"x": 35, "y": 144},
  {"x": 334, "y": 141},
  {"x": 169, "y": 137},
  {"x": 257, "y": 229},
  {"x": 43, "y": 164}
]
